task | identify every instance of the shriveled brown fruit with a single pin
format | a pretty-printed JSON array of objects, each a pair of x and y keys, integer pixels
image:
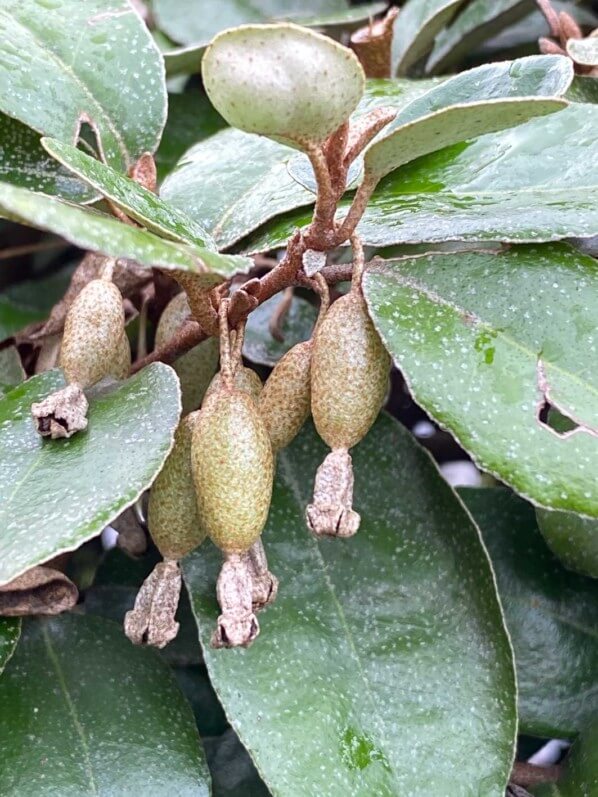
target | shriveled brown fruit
[
  {"x": 196, "y": 368},
  {"x": 92, "y": 333},
  {"x": 246, "y": 380},
  {"x": 41, "y": 590},
  {"x": 349, "y": 378},
  {"x": 233, "y": 468},
  {"x": 284, "y": 402},
  {"x": 173, "y": 519}
]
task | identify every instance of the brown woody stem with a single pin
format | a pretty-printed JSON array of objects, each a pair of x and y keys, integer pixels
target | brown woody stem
[
  {"x": 525, "y": 774},
  {"x": 356, "y": 211}
]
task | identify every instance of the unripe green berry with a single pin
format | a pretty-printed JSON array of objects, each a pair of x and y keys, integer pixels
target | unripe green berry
[
  {"x": 233, "y": 470},
  {"x": 173, "y": 519},
  {"x": 349, "y": 373},
  {"x": 285, "y": 399},
  {"x": 93, "y": 332},
  {"x": 246, "y": 380},
  {"x": 196, "y": 368}
]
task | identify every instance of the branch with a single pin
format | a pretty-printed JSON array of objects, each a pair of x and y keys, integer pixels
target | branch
[
  {"x": 357, "y": 209},
  {"x": 525, "y": 774}
]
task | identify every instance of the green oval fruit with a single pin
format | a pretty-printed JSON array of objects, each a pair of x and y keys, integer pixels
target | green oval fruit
[
  {"x": 196, "y": 368},
  {"x": 233, "y": 469},
  {"x": 173, "y": 519},
  {"x": 246, "y": 380},
  {"x": 349, "y": 373},
  {"x": 285, "y": 398},
  {"x": 121, "y": 364},
  {"x": 93, "y": 330}
]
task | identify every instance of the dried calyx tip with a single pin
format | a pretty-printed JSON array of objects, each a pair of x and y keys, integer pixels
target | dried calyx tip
[
  {"x": 151, "y": 621},
  {"x": 62, "y": 413},
  {"x": 331, "y": 513},
  {"x": 237, "y": 624}
]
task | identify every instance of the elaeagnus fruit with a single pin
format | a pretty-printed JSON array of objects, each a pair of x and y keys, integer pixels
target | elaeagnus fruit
[
  {"x": 196, "y": 368},
  {"x": 175, "y": 528},
  {"x": 349, "y": 378},
  {"x": 246, "y": 380},
  {"x": 94, "y": 346}
]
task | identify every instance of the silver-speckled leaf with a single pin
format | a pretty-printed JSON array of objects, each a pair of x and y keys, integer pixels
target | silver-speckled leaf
[
  {"x": 84, "y": 712},
  {"x": 574, "y": 539},
  {"x": 415, "y": 29},
  {"x": 63, "y": 62},
  {"x": 56, "y": 494},
  {"x": 282, "y": 81},
  {"x": 380, "y": 651},
  {"x": 486, "y": 343},
  {"x": 584, "y": 51}
]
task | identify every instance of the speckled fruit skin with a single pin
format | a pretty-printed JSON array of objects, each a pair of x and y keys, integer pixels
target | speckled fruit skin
[
  {"x": 172, "y": 512},
  {"x": 285, "y": 399},
  {"x": 349, "y": 373},
  {"x": 233, "y": 469},
  {"x": 92, "y": 333},
  {"x": 196, "y": 368},
  {"x": 246, "y": 380},
  {"x": 121, "y": 364}
]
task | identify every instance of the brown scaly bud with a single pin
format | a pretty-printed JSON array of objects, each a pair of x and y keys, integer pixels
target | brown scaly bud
[
  {"x": 196, "y": 368},
  {"x": 175, "y": 528},
  {"x": 285, "y": 399},
  {"x": 349, "y": 379}
]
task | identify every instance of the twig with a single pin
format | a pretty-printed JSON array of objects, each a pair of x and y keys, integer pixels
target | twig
[
  {"x": 279, "y": 314},
  {"x": 356, "y": 211},
  {"x": 525, "y": 774},
  {"x": 323, "y": 216},
  {"x": 365, "y": 130}
]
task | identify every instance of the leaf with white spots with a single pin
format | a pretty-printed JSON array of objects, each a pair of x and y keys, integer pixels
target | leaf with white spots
[
  {"x": 84, "y": 712},
  {"x": 478, "y": 20},
  {"x": 551, "y": 614},
  {"x": 415, "y": 29},
  {"x": 137, "y": 202},
  {"x": 10, "y": 631},
  {"x": 66, "y": 61},
  {"x": 574, "y": 539},
  {"x": 383, "y": 667},
  {"x": 282, "y": 81},
  {"x": 24, "y": 162},
  {"x": 487, "y": 344},
  {"x": 260, "y": 346},
  {"x": 56, "y": 494},
  {"x": 98, "y": 232},
  {"x": 584, "y": 51},
  {"x": 483, "y": 100},
  {"x": 535, "y": 182}
]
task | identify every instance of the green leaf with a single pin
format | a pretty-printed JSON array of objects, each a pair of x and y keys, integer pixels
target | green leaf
[
  {"x": 10, "y": 631},
  {"x": 98, "y": 232},
  {"x": 11, "y": 369},
  {"x": 24, "y": 162},
  {"x": 194, "y": 21},
  {"x": 478, "y": 20},
  {"x": 483, "y": 100},
  {"x": 396, "y": 634},
  {"x": 551, "y": 614},
  {"x": 584, "y": 51},
  {"x": 84, "y": 712},
  {"x": 29, "y": 301},
  {"x": 260, "y": 347},
  {"x": 338, "y": 16},
  {"x": 486, "y": 342},
  {"x": 580, "y": 777},
  {"x": 583, "y": 89},
  {"x": 415, "y": 30},
  {"x": 56, "y": 494},
  {"x": 233, "y": 773},
  {"x": 572, "y": 538},
  {"x": 137, "y": 202},
  {"x": 63, "y": 62},
  {"x": 184, "y": 60},
  {"x": 537, "y": 182},
  {"x": 191, "y": 118},
  {"x": 267, "y": 79},
  {"x": 216, "y": 178}
]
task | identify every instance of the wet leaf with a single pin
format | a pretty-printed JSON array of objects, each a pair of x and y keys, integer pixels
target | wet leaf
[
  {"x": 71, "y": 682},
  {"x": 267, "y": 79},
  {"x": 98, "y": 232},
  {"x": 532, "y": 183},
  {"x": 583, "y": 89},
  {"x": 24, "y": 162},
  {"x": 10, "y": 631},
  {"x": 137, "y": 202},
  {"x": 584, "y": 51},
  {"x": 194, "y": 21},
  {"x": 486, "y": 343},
  {"x": 393, "y": 635},
  {"x": 415, "y": 30},
  {"x": 551, "y": 614},
  {"x": 11, "y": 369},
  {"x": 56, "y": 494},
  {"x": 477, "y": 21},
  {"x": 483, "y": 100},
  {"x": 302, "y": 172},
  {"x": 260, "y": 347},
  {"x": 572, "y": 538},
  {"x": 63, "y": 61}
]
